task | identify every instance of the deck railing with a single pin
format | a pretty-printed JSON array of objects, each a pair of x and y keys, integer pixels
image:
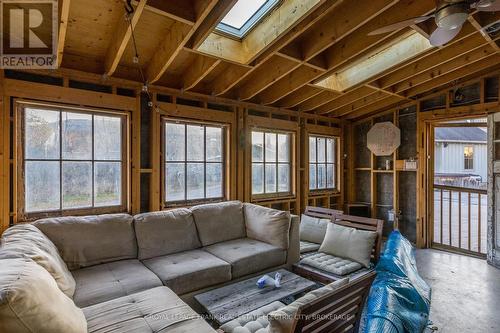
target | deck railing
[{"x": 460, "y": 218}]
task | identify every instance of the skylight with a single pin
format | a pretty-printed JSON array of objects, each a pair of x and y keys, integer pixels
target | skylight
[
  {"x": 244, "y": 15},
  {"x": 384, "y": 58}
]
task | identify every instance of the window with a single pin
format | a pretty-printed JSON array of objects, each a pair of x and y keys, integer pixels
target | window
[
  {"x": 244, "y": 16},
  {"x": 468, "y": 158},
  {"x": 72, "y": 160},
  {"x": 271, "y": 167},
  {"x": 194, "y": 162},
  {"x": 322, "y": 163}
]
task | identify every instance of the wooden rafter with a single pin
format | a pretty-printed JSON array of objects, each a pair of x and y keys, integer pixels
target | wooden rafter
[
  {"x": 197, "y": 71},
  {"x": 298, "y": 96},
  {"x": 121, "y": 39},
  {"x": 63, "y": 26},
  {"x": 480, "y": 23},
  {"x": 345, "y": 99},
  {"x": 175, "y": 40},
  {"x": 367, "y": 100},
  {"x": 322, "y": 98}
]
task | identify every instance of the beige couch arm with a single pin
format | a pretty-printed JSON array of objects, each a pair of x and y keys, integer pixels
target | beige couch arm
[{"x": 293, "y": 253}]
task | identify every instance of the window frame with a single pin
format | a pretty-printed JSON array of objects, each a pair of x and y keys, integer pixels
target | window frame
[
  {"x": 469, "y": 160},
  {"x": 336, "y": 164},
  {"x": 239, "y": 34},
  {"x": 224, "y": 161},
  {"x": 20, "y": 159},
  {"x": 291, "y": 154}
]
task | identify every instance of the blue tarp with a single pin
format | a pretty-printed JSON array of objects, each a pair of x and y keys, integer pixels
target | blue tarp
[{"x": 399, "y": 299}]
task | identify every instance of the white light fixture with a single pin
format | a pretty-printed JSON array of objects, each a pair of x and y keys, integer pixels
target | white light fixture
[{"x": 452, "y": 16}]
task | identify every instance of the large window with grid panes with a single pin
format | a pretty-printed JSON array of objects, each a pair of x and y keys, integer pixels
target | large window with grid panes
[
  {"x": 271, "y": 163},
  {"x": 322, "y": 163},
  {"x": 194, "y": 162},
  {"x": 71, "y": 161}
]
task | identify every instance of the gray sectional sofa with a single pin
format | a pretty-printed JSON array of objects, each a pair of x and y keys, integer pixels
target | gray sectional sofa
[{"x": 137, "y": 274}]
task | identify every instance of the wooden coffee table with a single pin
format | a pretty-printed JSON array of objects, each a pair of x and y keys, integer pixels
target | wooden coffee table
[{"x": 231, "y": 301}]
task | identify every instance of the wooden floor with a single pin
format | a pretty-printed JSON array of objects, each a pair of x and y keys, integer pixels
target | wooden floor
[{"x": 465, "y": 292}]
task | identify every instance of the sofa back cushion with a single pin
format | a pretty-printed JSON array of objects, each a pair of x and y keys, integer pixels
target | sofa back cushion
[
  {"x": 90, "y": 240},
  {"x": 30, "y": 301},
  {"x": 27, "y": 241},
  {"x": 268, "y": 225},
  {"x": 313, "y": 229},
  {"x": 219, "y": 222},
  {"x": 349, "y": 243},
  {"x": 166, "y": 232}
]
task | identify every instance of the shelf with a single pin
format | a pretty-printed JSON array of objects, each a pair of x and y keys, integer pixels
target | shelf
[
  {"x": 383, "y": 171},
  {"x": 362, "y": 169}
]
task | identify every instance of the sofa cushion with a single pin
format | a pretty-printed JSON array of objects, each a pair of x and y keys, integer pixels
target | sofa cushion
[
  {"x": 306, "y": 246},
  {"x": 31, "y": 301},
  {"x": 90, "y": 240},
  {"x": 313, "y": 229},
  {"x": 190, "y": 270},
  {"x": 248, "y": 256},
  {"x": 268, "y": 225},
  {"x": 27, "y": 241},
  {"x": 349, "y": 243},
  {"x": 219, "y": 222},
  {"x": 331, "y": 264},
  {"x": 153, "y": 310},
  {"x": 252, "y": 322},
  {"x": 165, "y": 232},
  {"x": 282, "y": 320},
  {"x": 103, "y": 282}
]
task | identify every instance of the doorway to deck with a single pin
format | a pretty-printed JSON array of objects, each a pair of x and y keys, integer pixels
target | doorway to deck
[{"x": 459, "y": 186}]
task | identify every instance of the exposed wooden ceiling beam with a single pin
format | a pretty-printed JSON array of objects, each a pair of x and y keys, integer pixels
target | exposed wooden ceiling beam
[
  {"x": 224, "y": 83},
  {"x": 445, "y": 67},
  {"x": 207, "y": 27},
  {"x": 429, "y": 61},
  {"x": 345, "y": 99},
  {"x": 181, "y": 11},
  {"x": 121, "y": 38},
  {"x": 175, "y": 40},
  {"x": 63, "y": 26},
  {"x": 288, "y": 84},
  {"x": 365, "y": 101},
  {"x": 455, "y": 75},
  {"x": 270, "y": 72},
  {"x": 359, "y": 41},
  {"x": 347, "y": 17},
  {"x": 479, "y": 22},
  {"x": 318, "y": 100},
  {"x": 199, "y": 68},
  {"x": 380, "y": 104},
  {"x": 298, "y": 96}
]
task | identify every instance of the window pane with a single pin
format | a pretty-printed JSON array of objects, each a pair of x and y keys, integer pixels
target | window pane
[
  {"x": 283, "y": 148},
  {"x": 195, "y": 181},
  {"x": 257, "y": 146},
  {"x": 76, "y": 136},
  {"x": 214, "y": 180},
  {"x": 175, "y": 181},
  {"x": 330, "y": 176},
  {"x": 107, "y": 138},
  {"x": 270, "y": 178},
  {"x": 42, "y": 186},
  {"x": 76, "y": 184},
  {"x": 312, "y": 176},
  {"x": 283, "y": 178},
  {"x": 174, "y": 142},
  {"x": 257, "y": 178},
  {"x": 270, "y": 147},
  {"x": 321, "y": 175},
  {"x": 42, "y": 134},
  {"x": 107, "y": 183},
  {"x": 214, "y": 144},
  {"x": 330, "y": 150},
  {"x": 321, "y": 149},
  {"x": 195, "y": 143},
  {"x": 312, "y": 149}
]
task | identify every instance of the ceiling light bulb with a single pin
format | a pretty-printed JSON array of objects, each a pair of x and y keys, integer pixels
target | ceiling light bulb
[{"x": 453, "y": 21}]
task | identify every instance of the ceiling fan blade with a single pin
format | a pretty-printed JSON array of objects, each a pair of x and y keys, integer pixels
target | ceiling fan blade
[
  {"x": 488, "y": 6},
  {"x": 400, "y": 25},
  {"x": 442, "y": 36}
]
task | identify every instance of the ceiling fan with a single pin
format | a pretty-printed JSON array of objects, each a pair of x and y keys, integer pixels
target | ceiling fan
[{"x": 449, "y": 15}]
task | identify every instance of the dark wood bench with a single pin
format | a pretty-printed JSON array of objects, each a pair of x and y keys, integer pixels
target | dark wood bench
[{"x": 357, "y": 222}]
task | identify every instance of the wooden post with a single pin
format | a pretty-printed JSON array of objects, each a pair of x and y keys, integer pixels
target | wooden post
[{"x": 4, "y": 159}]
